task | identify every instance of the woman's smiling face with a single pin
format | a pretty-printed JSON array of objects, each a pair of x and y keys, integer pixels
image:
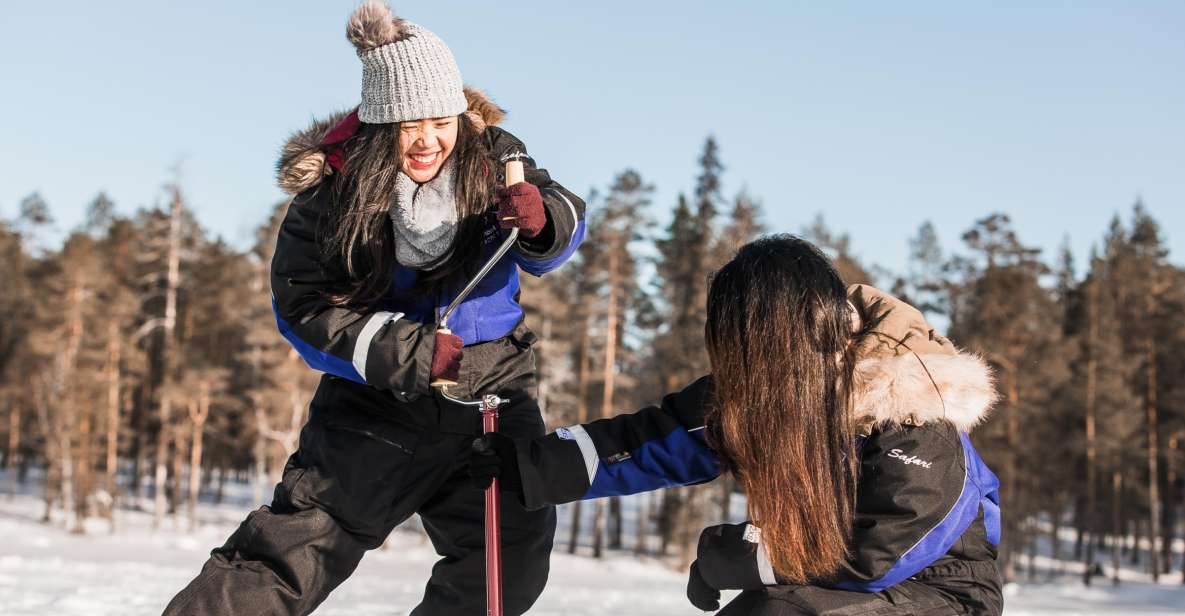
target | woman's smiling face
[{"x": 426, "y": 144}]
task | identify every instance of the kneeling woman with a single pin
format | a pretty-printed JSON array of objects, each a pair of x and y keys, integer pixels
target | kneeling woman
[{"x": 842, "y": 414}]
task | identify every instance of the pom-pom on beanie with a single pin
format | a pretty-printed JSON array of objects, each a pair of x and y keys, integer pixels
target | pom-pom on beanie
[{"x": 408, "y": 73}]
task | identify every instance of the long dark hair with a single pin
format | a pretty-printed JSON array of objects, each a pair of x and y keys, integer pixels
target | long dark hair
[
  {"x": 777, "y": 334},
  {"x": 357, "y": 229}
]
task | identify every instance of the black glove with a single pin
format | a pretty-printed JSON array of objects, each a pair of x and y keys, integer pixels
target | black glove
[
  {"x": 701, "y": 595},
  {"x": 728, "y": 559},
  {"x": 494, "y": 455}
]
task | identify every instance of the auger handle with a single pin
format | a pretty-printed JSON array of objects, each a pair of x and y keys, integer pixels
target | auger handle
[{"x": 514, "y": 175}]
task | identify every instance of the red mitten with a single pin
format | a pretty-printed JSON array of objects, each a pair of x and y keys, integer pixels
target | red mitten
[
  {"x": 521, "y": 205},
  {"x": 446, "y": 357}
]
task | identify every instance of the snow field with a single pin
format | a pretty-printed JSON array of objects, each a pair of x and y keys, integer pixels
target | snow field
[{"x": 44, "y": 569}]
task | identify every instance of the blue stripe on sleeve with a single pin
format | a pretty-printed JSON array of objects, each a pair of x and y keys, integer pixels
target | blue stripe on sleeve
[
  {"x": 314, "y": 357},
  {"x": 680, "y": 458},
  {"x": 939, "y": 539},
  {"x": 539, "y": 268}
]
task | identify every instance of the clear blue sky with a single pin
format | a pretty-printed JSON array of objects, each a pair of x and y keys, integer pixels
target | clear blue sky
[{"x": 880, "y": 115}]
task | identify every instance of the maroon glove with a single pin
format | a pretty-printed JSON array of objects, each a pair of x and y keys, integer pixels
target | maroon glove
[
  {"x": 521, "y": 206},
  {"x": 446, "y": 357}
]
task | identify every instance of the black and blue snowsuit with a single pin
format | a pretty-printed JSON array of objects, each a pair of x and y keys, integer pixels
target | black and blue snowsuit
[
  {"x": 927, "y": 507},
  {"x": 379, "y": 444}
]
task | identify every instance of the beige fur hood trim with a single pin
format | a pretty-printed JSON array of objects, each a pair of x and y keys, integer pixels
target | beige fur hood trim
[{"x": 915, "y": 389}]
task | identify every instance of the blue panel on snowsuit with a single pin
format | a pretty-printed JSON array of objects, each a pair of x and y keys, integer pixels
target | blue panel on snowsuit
[
  {"x": 314, "y": 357},
  {"x": 680, "y": 458},
  {"x": 938, "y": 540},
  {"x": 989, "y": 488},
  {"x": 539, "y": 268}
]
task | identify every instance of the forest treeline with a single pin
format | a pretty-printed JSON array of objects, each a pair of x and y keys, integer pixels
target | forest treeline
[{"x": 140, "y": 365}]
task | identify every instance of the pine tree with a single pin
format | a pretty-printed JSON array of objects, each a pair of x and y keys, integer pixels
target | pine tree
[
  {"x": 687, "y": 255},
  {"x": 1147, "y": 289},
  {"x": 1008, "y": 317},
  {"x": 17, "y": 304},
  {"x": 123, "y": 361},
  {"x": 926, "y": 281},
  {"x": 838, "y": 248},
  {"x": 609, "y": 300},
  {"x": 170, "y": 240},
  {"x": 744, "y": 225}
]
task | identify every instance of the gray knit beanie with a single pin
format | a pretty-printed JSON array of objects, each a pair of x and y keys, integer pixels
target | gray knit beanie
[{"x": 408, "y": 73}]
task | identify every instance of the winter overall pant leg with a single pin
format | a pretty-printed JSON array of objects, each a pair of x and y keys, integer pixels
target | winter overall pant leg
[
  {"x": 365, "y": 464},
  {"x": 454, "y": 517},
  {"x": 341, "y": 494},
  {"x": 454, "y": 521}
]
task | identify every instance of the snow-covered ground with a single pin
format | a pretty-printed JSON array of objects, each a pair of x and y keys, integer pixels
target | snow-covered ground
[{"x": 46, "y": 570}]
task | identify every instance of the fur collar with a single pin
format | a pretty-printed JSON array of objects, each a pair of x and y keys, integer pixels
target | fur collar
[
  {"x": 302, "y": 163},
  {"x": 957, "y": 387}
]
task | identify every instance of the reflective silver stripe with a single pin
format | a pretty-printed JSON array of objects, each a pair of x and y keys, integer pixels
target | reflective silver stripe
[
  {"x": 765, "y": 568},
  {"x": 575, "y": 217},
  {"x": 362, "y": 344},
  {"x": 588, "y": 450}
]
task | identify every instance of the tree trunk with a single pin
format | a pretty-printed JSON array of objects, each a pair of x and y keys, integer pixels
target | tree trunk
[
  {"x": 198, "y": 414},
  {"x": 1153, "y": 459},
  {"x": 615, "y": 523},
  {"x": 1055, "y": 541},
  {"x": 1176, "y": 452},
  {"x": 1080, "y": 539},
  {"x": 172, "y": 283},
  {"x": 574, "y": 534},
  {"x": 82, "y": 484},
  {"x": 65, "y": 403},
  {"x": 220, "y": 490},
  {"x": 689, "y": 524},
  {"x": 642, "y": 524},
  {"x": 1032, "y": 554},
  {"x": 1116, "y": 524},
  {"x": 1136, "y": 530},
  {"x": 160, "y": 477},
  {"x": 260, "y": 451},
  {"x": 66, "y": 464},
  {"x": 53, "y": 478},
  {"x": 543, "y": 351},
  {"x": 1092, "y": 524},
  {"x": 41, "y": 407},
  {"x": 14, "y": 434},
  {"x": 598, "y": 528},
  {"x": 1169, "y": 523},
  {"x": 668, "y": 513},
  {"x": 609, "y": 374},
  {"x": 177, "y": 471},
  {"x": 114, "y": 398},
  {"x": 1012, "y": 427},
  {"x": 296, "y": 408},
  {"x": 161, "y": 471},
  {"x": 139, "y": 443},
  {"x": 581, "y": 410}
]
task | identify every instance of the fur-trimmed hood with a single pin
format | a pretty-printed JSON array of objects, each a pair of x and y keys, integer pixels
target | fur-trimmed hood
[
  {"x": 314, "y": 153},
  {"x": 908, "y": 373},
  {"x": 913, "y": 389}
]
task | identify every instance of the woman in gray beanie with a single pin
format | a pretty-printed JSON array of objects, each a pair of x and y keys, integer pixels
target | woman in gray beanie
[{"x": 396, "y": 204}]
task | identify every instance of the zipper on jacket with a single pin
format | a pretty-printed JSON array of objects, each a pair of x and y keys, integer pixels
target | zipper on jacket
[{"x": 372, "y": 435}]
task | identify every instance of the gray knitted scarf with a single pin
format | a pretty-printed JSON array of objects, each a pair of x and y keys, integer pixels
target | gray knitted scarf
[{"x": 424, "y": 217}]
